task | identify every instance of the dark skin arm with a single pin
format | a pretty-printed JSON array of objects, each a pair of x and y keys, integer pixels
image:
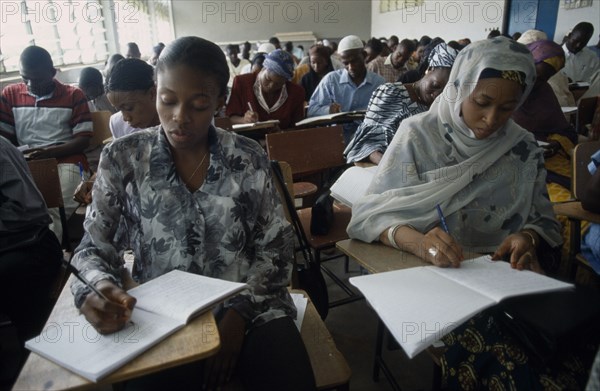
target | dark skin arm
[
  {"x": 73, "y": 147},
  {"x": 590, "y": 199}
]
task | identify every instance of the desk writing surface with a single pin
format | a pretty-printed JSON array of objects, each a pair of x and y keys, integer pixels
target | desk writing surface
[
  {"x": 198, "y": 340},
  {"x": 377, "y": 257},
  {"x": 574, "y": 210}
]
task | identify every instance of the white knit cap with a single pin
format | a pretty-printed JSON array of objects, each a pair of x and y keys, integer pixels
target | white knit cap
[
  {"x": 266, "y": 48},
  {"x": 350, "y": 42}
]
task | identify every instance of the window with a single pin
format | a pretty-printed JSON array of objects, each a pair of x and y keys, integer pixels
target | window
[{"x": 81, "y": 31}]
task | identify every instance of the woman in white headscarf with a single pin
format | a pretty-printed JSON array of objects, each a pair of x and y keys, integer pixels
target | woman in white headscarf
[
  {"x": 487, "y": 174},
  {"x": 466, "y": 155}
]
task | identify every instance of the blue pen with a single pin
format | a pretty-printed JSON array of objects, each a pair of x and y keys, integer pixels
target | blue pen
[
  {"x": 442, "y": 218},
  {"x": 81, "y": 172}
]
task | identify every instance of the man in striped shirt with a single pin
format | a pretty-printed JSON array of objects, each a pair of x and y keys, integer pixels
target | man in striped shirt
[{"x": 50, "y": 120}]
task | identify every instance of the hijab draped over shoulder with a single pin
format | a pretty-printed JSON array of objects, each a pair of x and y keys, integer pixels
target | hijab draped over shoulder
[{"x": 487, "y": 188}]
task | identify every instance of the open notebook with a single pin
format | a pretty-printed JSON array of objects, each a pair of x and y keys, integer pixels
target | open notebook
[
  {"x": 352, "y": 184},
  {"x": 345, "y": 116},
  {"x": 420, "y": 305},
  {"x": 164, "y": 305}
]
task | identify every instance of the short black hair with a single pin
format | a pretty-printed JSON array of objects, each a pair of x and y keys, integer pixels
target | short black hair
[
  {"x": 585, "y": 27},
  {"x": 375, "y": 45},
  {"x": 199, "y": 54},
  {"x": 424, "y": 41},
  {"x": 130, "y": 74},
  {"x": 409, "y": 44},
  {"x": 35, "y": 57},
  {"x": 231, "y": 47},
  {"x": 394, "y": 39},
  {"x": 90, "y": 77}
]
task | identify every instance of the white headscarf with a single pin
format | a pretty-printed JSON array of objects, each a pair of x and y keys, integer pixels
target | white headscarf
[{"x": 435, "y": 159}]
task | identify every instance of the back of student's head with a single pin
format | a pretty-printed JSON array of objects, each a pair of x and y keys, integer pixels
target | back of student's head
[
  {"x": 130, "y": 74},
  {"x": 199, "y": 54},
  {"x": 90, "y": 82},
  {"x": 36, "y": 57}
]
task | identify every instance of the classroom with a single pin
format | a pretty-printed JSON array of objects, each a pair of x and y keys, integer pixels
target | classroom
[{"x": 299, "y": 194}]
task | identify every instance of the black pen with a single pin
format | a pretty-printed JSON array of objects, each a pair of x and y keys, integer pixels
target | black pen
[{"x": 81, "y": 278}]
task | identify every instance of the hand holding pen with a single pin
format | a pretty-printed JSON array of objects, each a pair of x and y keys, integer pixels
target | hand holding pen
[
  {"x": 250, "y": 116},
  {"x": 107, "y": 307},
  {"x": 439, "y": 247}
]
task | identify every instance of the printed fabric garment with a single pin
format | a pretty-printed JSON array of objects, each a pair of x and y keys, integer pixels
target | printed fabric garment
[
  {"x": 389, "y": 105},
  {"x": 232, "y": 227},
  {"x": 488, "y": 188}
]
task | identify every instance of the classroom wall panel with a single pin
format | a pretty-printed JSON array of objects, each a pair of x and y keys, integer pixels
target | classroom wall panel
[{"x": 238, "y": 21}]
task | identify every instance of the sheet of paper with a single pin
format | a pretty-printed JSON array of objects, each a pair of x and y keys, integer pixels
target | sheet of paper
[
  {"x": 352, "y": 184},
  {"x": 179, "y": 294},
  {"x": 419, "y": 306},
  {"x": 77, "y": 346},
  {"x": 497, "y": 280},
  {"x": 300, "y": 302}
]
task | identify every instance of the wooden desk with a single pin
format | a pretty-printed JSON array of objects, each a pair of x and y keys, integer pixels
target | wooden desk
[
  {"x": 198, "y": 340},
  {"x": 377, "y": 257},
  {"x": 575, "y": 213}
]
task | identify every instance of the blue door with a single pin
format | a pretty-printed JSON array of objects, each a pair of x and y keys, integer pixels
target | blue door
[{"x": 524, "y": 15}]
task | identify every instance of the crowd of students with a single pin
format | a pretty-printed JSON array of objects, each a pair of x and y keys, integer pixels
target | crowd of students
[{"x": 443, "y": 120}]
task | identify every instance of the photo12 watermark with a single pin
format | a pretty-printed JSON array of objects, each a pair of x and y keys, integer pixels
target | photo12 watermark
[
  {"x": 270, "y": 11},
  {"x": 67, "y": 11}
]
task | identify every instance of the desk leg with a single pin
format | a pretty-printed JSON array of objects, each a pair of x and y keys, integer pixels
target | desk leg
[
  {"x": 378, "y": 349},
  {"x": 575, "y": 247},
  {"x": 379, "y": 362}
]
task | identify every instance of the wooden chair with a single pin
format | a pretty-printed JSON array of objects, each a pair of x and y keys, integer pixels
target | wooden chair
[
  {"x": 329, "y": 365},
  {"x": 585, "y": 114},
  {"x": 223, "y": 123},
  {"x": 308, "y": 151},
  {"x": 573, "y": 210},
  {"x": 45, "y": 176},
  {"x": 101, "y": 125},
  {"x": 316, "y": 244}
]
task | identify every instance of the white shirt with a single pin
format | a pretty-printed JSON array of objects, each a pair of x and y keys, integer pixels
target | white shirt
[{"x": 581, "y": 66}]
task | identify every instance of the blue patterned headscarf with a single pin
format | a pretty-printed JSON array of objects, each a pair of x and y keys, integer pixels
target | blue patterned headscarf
[
  {"x": 442, "y": 56},
  {"x": 281, "y": 63}
]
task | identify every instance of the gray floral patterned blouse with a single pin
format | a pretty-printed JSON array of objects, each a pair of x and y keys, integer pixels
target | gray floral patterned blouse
[{"x": 232, "y": 228}]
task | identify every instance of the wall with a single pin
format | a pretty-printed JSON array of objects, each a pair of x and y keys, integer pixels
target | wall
[
  {"x": 238, "y": 21},
  {"x": 451, "y": 20},
  {"x": 567, "y": 19}
]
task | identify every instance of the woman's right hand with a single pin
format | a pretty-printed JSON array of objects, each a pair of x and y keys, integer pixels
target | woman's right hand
[
  {"x": 83, "y": 193},
  {"x": 250, "y": 117},
  {"x": 440, "y": 249},
  {"x": 108, "y": 316}
]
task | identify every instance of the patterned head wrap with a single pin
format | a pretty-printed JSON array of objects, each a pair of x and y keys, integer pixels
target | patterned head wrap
[
  {"x": 442, "y": 56},
  {"x": 549, "y": 52},
  {"x": 281, "y": 63}
]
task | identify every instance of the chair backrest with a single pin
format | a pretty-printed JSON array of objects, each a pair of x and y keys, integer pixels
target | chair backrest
[
  {"x": 308, "y": 150},
  {"x": 581, "y": 158},
  {"x": 45, "y": 176},
  {"x": 100, "y": 121},
  {"x": 585, "y": 113},
  {"x": 223, "y": 123}
]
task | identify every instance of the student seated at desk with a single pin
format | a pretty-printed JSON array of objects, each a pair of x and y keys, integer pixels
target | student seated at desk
[
  {"x": 30, "y": 254},
  {"x": 487, "y": 173},
  {"x": 130, "y": 88},
  {"x": 590, "y": 246},
  {"x": 186, "y": 195},
  {"x": 393, "y": 102},
  {"x": 92, "y": 85},
  {"x": 267, "y": 95},
  {"x": 52, "y": 118}
]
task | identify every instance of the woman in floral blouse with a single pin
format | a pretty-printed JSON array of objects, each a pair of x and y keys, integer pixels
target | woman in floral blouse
[{"x": 186, "y": 195}]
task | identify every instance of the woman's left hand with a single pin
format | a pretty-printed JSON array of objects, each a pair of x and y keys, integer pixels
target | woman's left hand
[
  {"x": 219, "y": 369},
  {"x": 522, "y": 252}
]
